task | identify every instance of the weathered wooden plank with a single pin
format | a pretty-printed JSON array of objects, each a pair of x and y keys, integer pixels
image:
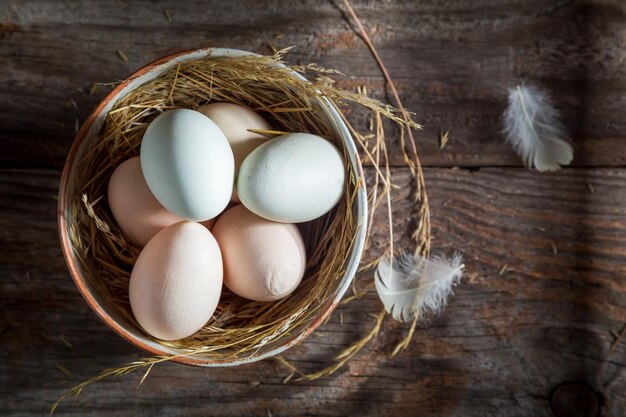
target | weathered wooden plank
[
  {"x": 507, "y": 338},
  {"x": 452, "y": 61}
]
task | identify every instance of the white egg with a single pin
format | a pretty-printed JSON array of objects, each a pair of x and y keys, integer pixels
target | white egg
[
  {"x": 188, "y": 164},
  {"x": 292, "y": 178}
]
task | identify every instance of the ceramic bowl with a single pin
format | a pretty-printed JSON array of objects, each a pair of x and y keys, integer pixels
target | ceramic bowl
[{"x": 104, "y": 308}]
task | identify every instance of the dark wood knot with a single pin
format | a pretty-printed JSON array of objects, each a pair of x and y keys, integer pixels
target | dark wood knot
[{"x": 576, "y": 399}]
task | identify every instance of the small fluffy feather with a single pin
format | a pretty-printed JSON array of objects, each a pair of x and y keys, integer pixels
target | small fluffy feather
[
  {"x": 414, "y": 286},
  {"x": 532, "y": 126}
]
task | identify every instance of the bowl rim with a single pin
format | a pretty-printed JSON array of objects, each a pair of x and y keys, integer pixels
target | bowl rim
[{"x": 155, "y": 69}]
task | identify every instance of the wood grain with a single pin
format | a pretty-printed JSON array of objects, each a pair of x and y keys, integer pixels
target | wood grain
[
  {"x": 452, "y": 60},
  {"x": 505, "y": 341}
]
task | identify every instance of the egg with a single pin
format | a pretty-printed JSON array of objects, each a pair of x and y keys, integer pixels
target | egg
[
  {"x": 136, "y": 211},
  {"x": 292, "y": 178},
  {"x": 188, "y": 164},
  {"x": 263, "y": 260},
  {"x": 235, "y": 120},
  {"x": 176, "y": 282}
]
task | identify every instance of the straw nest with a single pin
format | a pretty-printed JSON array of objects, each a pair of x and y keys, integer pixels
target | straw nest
[{"x": 239, "y": 327}]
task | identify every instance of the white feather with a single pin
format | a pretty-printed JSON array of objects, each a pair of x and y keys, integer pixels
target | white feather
[
  {"x": 413, "y": 286},
  {"x": 532, "y": 126}
]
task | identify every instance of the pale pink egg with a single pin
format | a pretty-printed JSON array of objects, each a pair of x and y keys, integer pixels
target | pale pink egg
[
  {"x": 134, "y": 207},
  {"x": 263, "y": 260},
  {"x": 176, "y": 281},
  {"x": 235, "y": 120}
]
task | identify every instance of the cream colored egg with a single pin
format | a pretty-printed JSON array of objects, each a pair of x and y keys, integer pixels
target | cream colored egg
[
  {"x": 235, "y": 120},
  {"x": 176, "y": 281},
  {"x": 135, "y": 209},
  {"x": 263, "y": 260}
]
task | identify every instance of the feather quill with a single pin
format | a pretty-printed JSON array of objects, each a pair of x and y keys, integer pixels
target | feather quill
[
  {"x": 415, "y": 287},
  {"x": 532, "y": 126}
]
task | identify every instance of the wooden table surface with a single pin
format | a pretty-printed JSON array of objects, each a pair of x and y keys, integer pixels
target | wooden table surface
[{"x": 544, "y": 298}]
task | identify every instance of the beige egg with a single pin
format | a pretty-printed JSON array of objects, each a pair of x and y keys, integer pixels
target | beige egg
[
  {"x": 134, "y": 207},
  {"x": 235, "y": 120},
  {"x": 176, "y": 281},
  {"x": 263, "y": 260}
]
